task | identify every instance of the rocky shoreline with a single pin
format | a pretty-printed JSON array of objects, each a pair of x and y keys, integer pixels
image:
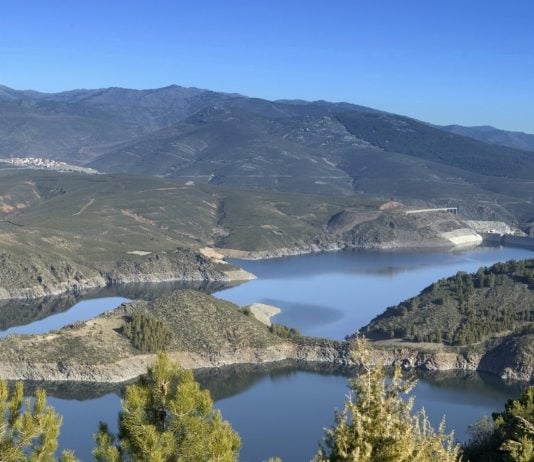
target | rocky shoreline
[
  {"x": 311, "y": 351},
  {"x": 495, "y": 360},
  {"x": 210, "y": 268},
  {"x": 335, "y": 247},
  {"x": 157, "y": 268}
]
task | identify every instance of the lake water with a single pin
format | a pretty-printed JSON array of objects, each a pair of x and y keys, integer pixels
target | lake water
[
  {"x": 334, "y": 294},
  {"x": 281, "y": 410}
]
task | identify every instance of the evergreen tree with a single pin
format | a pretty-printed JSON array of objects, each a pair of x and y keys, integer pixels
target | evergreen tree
[
  {"x": 147, "y": 333},
  {"x": 509, "y": 437},
  {"x": 377, "y": 425},
  {"x": 28, "y": 432},
  {"x": 167, "y": 417}
]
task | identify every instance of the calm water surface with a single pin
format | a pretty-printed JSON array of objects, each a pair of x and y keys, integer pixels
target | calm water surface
[
  {"x": 281, "y": 410},
  {"x": 83, "y": 310},
  {"x": 334, "y": 294}
]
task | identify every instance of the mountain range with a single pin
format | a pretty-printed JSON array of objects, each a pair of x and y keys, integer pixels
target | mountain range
[{"x": 291, "y": 146}]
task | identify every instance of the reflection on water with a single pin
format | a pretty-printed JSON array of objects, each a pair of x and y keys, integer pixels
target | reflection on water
[
  {"x": 277, "y": 401},
  {"x": 48, "y": 313},
  {"x": 267, "y": 403},
  {"x": 335, "y": 294},
  {"x": 81, "y": 311}
]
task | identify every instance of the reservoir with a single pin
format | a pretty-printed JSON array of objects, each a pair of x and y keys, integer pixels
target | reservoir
[{"x": 280, "y": 410}]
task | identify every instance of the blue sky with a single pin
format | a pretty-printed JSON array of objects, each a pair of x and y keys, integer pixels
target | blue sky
[{"x": 450, "y": 61}]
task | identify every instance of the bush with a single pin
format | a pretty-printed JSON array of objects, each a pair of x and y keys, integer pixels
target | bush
[
  {"x": 28, "y": 431},
  {"x": 509, "y": 437},
  {"x": 283, "y": 331},
  {"x": 167, "y": 417}
]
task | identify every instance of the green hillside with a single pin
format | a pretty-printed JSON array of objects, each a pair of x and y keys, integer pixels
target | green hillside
[{"x": 465, "y": 309}]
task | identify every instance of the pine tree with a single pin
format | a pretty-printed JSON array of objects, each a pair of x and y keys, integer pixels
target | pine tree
[
  {"x": 167, "y": 417},
  {"x": 28, "y": 432},
  {"x": 377, "y": 425},
  {"x": 509, "y": 437}
]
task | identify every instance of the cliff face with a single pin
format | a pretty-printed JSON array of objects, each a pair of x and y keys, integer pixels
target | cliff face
[{"x": 499, "y": 362}]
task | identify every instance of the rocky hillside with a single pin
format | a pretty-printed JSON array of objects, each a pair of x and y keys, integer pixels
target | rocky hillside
[{"x": 201, "y": 331}]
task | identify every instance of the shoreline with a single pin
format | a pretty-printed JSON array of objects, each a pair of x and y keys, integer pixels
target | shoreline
[
  {"x": 218, "y": 256},
  {"x": 215, "y": 255},
  {"x": 306, "y": 350},
  {"x": 333, "y": 353},
  {"x": 258, "y": 255},
  {"x": 102, "y": 282}
]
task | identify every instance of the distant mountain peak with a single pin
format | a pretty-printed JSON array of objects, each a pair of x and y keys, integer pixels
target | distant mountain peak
[{"x": 492, "y": 135}]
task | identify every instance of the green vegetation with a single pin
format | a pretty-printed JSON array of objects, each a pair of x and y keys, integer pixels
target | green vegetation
[
  {"x": 377, "y": 424},
  {"x": 73, "y": 231},
  {"x": 201, "y": 323},
  {"x": 284, "y": 332},
  {"x": 464, "y": 309},
  {"x": 28, "y": 432},
  {"x": 147, "y": 333},
  {"x": 167, "y": 417},
  {"x": 509, "y": 436}
]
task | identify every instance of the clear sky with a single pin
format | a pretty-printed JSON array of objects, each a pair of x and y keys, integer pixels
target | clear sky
[{"x": 444, "y": 61}]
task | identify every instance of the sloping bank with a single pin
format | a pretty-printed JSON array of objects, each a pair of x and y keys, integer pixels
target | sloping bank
[
  {"x": 371, "y": 230},
  {"x": 30, "y": 271},
  {"x": 203, "y": 332},
  {"x": 35, "y": 276}
]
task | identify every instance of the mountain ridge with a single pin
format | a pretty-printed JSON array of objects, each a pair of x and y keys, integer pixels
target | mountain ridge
[
  {"x": 492, "y": 135},
  {"x": 230, "y": 140}
]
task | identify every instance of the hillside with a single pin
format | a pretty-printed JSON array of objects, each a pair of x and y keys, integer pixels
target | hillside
[
  {"x": 296, "y": 149},
  {"x": 287, "y": 146},
  {"x": 201, "y": 331},
  {"x": 67, "y": 231},
  {"x": 81, "y": 124},
  {"x": 466, "y": 308},
  {"x": 492, "y": 135},
  {"x": 488, "y": 312}
]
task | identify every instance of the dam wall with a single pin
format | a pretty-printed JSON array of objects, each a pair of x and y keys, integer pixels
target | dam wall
[{"x": 508, "y": 240}]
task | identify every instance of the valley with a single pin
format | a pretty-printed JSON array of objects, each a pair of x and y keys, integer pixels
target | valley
[{"x": 209, "y": 215}]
